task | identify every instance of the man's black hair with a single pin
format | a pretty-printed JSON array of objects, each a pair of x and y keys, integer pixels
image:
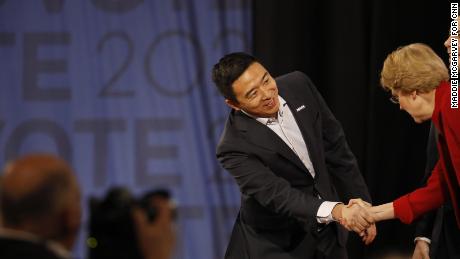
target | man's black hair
[{"x": 228, "y": 70}]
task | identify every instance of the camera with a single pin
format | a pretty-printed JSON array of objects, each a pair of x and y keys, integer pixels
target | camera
[{"x": 112, "y": 232}]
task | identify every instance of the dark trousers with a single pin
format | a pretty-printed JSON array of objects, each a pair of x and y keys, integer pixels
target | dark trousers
[{"x": 334, "y": 250}]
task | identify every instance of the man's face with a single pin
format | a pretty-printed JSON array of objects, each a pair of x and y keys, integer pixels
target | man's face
[{"x": 256, "y": 92}]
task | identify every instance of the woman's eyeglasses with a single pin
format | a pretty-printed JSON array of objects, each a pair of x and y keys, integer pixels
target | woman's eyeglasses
[{"x": 394, "y": 99}]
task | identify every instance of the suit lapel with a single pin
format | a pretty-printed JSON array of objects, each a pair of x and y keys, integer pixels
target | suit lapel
[
  {"x": 264, "y": 137},
  {"x": 305, "y": 116}
]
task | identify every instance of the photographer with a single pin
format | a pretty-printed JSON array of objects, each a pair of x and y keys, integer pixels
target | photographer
[
  {"x": 156, "y": 240},
  {"x": 124, "y": 227}
]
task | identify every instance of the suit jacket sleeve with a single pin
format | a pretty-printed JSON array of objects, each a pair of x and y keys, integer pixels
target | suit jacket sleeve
[
  {"x": 340, "y": 161},
  {"x": 258, "y": 181}
]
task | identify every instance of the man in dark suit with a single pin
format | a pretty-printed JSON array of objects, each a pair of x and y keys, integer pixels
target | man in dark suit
[
  {"x": 40, "y": 208},
  {"x": 289, "y": 156}
]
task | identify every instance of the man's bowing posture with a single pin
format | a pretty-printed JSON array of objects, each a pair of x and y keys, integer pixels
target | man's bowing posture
[{"x": 292, "y": 163}]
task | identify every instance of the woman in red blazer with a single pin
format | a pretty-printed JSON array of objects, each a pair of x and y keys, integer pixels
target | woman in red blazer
[{"x": 419, "y": 81}]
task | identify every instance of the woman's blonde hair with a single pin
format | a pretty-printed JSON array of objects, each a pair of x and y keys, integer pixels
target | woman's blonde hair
[{"x": 413, "y": 67}]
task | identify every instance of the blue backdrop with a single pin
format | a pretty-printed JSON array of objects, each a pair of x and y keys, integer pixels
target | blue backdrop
[{"x": 122, "y": 90}]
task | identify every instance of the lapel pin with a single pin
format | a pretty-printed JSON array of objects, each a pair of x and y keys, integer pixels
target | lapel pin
[{"x": 300, "y": 108}]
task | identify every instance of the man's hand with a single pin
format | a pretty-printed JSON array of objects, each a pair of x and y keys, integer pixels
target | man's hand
[
  {"x": 422, "y": 250},
  {"x": 360, "y": 202},
  {"x": 369, "y": 234},
  {"x": 354, "y": 217}
]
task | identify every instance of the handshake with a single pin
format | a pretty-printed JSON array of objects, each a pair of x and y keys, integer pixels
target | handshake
[{"x": 360, "y": 217}]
